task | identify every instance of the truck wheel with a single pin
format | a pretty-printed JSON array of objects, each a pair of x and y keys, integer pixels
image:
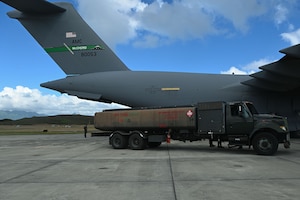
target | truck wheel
[
  {"x": 118, "y": 141},
  {"x": 136, "y": 142},
  {"x": 265, "y": 144}
]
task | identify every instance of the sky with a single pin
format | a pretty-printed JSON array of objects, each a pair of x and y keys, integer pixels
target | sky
[{"x": 199, "y": 36}]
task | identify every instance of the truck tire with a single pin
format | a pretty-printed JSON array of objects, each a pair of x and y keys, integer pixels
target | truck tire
[
  {"x": 265, "y": 143},
  {"x": 119, "y": 141},
  {"x": 136, "y": 142}
]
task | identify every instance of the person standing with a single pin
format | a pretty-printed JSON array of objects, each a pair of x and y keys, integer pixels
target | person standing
[{"x": 85, "y": 130}]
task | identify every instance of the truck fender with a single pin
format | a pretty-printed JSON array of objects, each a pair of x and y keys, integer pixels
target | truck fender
[
  {"x": 257, "y": 131},
  {"x": 142, "y": 135}
]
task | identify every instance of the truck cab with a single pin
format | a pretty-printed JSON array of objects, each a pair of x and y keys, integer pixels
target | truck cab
[
  {"x": 245, "y": 126},
  {"x": 239, "y": 118}
]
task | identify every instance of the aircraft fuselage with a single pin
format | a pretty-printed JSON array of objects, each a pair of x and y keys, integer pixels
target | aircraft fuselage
[{"x": 155, "y": 89}]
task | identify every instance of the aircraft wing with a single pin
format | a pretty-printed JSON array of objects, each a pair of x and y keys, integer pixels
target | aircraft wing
[{"x": 282, "y": 75}]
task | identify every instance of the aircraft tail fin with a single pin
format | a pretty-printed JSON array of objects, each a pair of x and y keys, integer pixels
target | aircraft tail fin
[{"x": 65, "y": 36}]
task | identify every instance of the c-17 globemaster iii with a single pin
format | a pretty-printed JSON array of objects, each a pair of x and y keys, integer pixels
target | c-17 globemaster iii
[{"x": 94, "y": 72}]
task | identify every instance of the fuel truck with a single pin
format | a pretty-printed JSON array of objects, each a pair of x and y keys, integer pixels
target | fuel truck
[{"x": 237, "y": 123}]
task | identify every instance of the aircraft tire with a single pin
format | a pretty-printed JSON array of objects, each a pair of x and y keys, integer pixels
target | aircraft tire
[
  {"x": 137, "y": 142},
  {"x": 119, "y": 141},
  {"x": 265, "y": 143}
]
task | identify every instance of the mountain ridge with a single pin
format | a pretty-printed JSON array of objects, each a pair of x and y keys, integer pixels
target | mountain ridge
[
  {"x": 28, "y": 118},
  {"x": 15, "y": 115},
  {"x": 57, "y": 119}
]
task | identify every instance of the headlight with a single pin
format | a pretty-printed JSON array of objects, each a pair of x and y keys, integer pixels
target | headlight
[{"x": 283, "y": 128}]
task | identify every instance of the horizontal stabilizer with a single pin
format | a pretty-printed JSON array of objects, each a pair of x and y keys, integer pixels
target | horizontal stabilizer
[
  {"x": 282, "y": 75},
  {"x": 65, "y": 36},
  {"x": 34, "y": 6}
]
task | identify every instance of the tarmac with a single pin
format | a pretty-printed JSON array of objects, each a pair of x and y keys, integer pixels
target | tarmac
[{"x": 71, "y": 167}]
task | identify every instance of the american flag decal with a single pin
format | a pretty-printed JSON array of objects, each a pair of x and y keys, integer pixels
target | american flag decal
[{"x": 70, "y": 34}]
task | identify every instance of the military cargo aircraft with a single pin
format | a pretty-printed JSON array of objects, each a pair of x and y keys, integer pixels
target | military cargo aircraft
[{"x": 95, "y": 73}]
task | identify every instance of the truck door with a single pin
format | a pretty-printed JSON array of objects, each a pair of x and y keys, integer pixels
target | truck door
[{"x": 239, "y": 120}]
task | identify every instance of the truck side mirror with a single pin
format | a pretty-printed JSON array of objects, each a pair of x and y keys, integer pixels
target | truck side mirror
[
  {"x": 240, "y": 108},
  {"x": 240, "y": 111}
]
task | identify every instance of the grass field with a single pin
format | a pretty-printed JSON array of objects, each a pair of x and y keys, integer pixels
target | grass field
[{"x": 44, "y": 129}]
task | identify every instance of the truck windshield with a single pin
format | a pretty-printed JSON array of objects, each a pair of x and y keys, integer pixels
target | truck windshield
[{"x": 252, "y": 108}]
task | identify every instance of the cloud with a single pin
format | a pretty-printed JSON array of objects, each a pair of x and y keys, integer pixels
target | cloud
[
  {"x": 234, "y": 70},
  {"x": 249, "y": 68},
  {"x": 178, "y": 20},
  {"x": 149, "y": 24},
  {"x": 283, "y": 10},
  {"x": 32, "y": 100},
  {"x": 292, "y": 37},
  {"x": 281, "y": 13},
  {"x": 149, "y": 41},
  {"x": 236, "y": 12},
  {"x": 111, "y": 19}
]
